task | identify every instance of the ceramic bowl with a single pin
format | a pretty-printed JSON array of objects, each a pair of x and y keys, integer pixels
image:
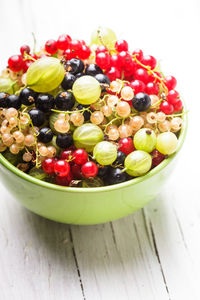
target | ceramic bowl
[{"x": 87, "y": 205}]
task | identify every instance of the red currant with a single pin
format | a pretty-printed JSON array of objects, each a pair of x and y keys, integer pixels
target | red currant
[
  {"x": 136, "y": 66},
  {"x": 121, "y": 45},
  {"x": 152, "y": 77},
  {"x": 114, "y": 61},
  {"x": 82, "y": 42},
  {"x": 69, "y": 54},
  {"x": 142, "y": 75},
  {"x": 130, "y": 67},
  {"x": 16, "y": 63},
  {"x": 103, "y": 60},
  {"x": 66, "y": 155},
  {"x": 48, "y": 165},
  {"x": 113, "y": 73},
  {"x": 139, "y": 54},
  {"x": 76, "y": 171},
  {"x": 138, "y": 86},
  {"x": 89, "y": 169},
  {"x": 63, "y": 41},
  {"x": 149, "y": 60},
  {"x": 27, "y": 64},
  {"x": 171, "y": 82},
  {"x": 70, "y": 177},
  {"x": 80, "y": 156},
  {"x": 124, "y": 59},
  {"x": 61, "y": 168},
  {"x": 152, "y": 88},
  {"x": 51, "y": 47},
  {"x": 75, "y": 45},
  {"x": 64, "y": 181},
  {"x": 157, "y": 157},
  {"x": 101, "y": 48},
  {"x": 84, "y": 52},
  {"x": 173, "y": 97},
  {"x": 126, "y": 145},
  {"x": 25, "y": 49},
  {"x": 166, "y": 107},
  {"x": 178, "y": 106},
  {"x": 128, "y": 75},
  {"x": 34, "y": 56}
]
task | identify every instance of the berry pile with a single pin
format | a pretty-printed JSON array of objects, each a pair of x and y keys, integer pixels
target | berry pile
[{"x": 85, "y": 116}]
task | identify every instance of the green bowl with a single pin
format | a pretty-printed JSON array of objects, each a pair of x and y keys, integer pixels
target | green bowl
[{"x": 87, "y": 205}]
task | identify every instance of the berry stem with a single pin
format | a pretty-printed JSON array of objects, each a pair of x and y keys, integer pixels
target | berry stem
[
  {"x": 28, "y": 57},
  {"x": 157, "y": 103},
  {"x": 34, "y": 41},
  {"x": 123, "y": 170},
  {"x": 18, "y": 91},
  {"x": 101, "y": 40},
  {"x": 37, "y": 163},
  {"x": 148, "y": 68},
  {"x": 109, "y": 123},
  {"x": 70, "y": 112},
  {"x": 178, "y": 115},
  {"x": 103, "y": 99}
]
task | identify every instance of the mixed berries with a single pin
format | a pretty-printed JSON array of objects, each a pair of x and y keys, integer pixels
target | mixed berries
[{"x": 113, "y": 115}]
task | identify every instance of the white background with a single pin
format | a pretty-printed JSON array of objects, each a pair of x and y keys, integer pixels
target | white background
[{"x": 39, "y": 258}]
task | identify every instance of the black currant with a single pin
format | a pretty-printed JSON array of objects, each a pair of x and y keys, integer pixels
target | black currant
[
  {"x": 3, "y": 100},
  {"x": 64, "y": 140},
  {"x": 115, "y": 175},
  {"x": 65, "y": 101},
  {"x": 37, "y": 116},
  {"x": 45, "y": 135},
  {"x": 86, "y": 113},
  {"x": 14, "y": 101},
  {"x": 93, "y": 69},
  {"x": 45, "y": 102},
  {"x": 120, "y": 158},
  {"x": 75, "y": 66},
  {"x": 103, "y": 80},
  {"x": 27, "y": 96},
  {"x": 79, "y": 75},
  {"x": 141, "y": 102},
  {"x": 68, "y": 81},
  {"x": 102, "y": 170}
]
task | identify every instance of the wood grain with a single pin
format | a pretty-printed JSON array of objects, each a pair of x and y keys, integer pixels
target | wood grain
[{"x": 150, "y": 255}]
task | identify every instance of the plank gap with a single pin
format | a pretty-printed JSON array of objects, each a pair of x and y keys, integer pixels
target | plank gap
[
  {"x": 180, "y": 229},
  {"x": 76, "y": 263},
  {"x": 146, "y": 227},
  {"x": 113, "y": 234},
  {"x": 138, "y": 239},
  {"x": 158, "y": 258}
]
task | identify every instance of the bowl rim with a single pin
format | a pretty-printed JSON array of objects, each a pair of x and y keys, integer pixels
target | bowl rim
[{"x": 125, "y": 184}]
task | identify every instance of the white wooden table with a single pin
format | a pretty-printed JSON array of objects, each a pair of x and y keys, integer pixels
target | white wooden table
[{"x": 152, "y": 254}]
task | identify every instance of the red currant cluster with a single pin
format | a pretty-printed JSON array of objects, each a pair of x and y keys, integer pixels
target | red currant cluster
[
  {"x": 20, "y": 62},
  {"x": 72, "y": 164},
  {"x": 68, "y": 48},
  {"x": 139, "y": 70},
  {"x": 172, "y": 102},
  {"x": 120, "y": 62},
  {"x": 71, "y": 48}
]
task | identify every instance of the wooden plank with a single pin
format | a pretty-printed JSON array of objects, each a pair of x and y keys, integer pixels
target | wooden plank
[
  {"x": 36, "y": 256},
  {"x": 172, "y": 252},
  {"x": 116, "y": 260},
  {"x": 153, "y": 254},
  {"x": 134, "y": 241}
]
